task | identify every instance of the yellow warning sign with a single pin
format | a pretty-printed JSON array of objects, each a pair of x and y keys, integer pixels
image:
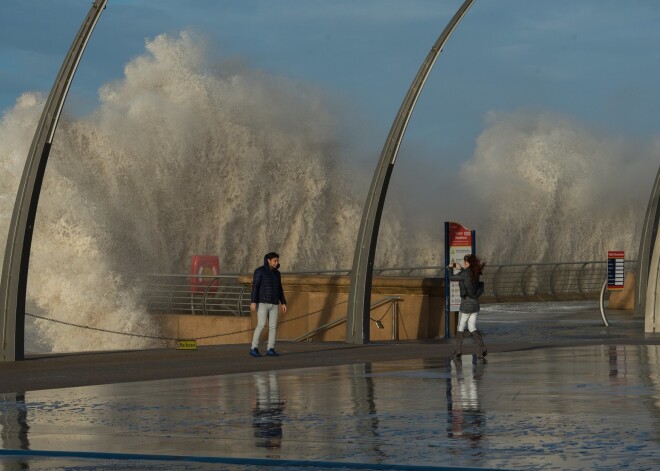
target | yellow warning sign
[{"x": 186, "y": 344}]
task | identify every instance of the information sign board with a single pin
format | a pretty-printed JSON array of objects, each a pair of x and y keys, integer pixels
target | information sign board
[{"x": 615, "y": 269}]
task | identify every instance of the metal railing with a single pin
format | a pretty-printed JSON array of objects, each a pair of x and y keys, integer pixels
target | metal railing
[
  {"x": 547, "y": 280},
  {"x": 394, "y": 300},
  {"x": 211, "y": 295},
  {"x": 225, "y": 295}
]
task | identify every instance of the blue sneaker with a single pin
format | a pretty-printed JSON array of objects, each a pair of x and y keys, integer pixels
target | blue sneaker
[
  {"x": 255, "y": 352},
  {"x": 272, "y": 353}
]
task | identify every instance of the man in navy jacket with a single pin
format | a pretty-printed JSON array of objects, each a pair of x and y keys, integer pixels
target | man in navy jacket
[{"x": 267, "y": 295}]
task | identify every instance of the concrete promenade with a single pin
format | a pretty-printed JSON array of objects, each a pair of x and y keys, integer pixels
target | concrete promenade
[
  {"x": 558, "y": 390},
  {"x": 512, "y": 327}
]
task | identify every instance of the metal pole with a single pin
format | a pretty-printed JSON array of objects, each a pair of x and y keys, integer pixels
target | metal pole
[
  {"x": 395, "y": 320},
  {"x": 17, "y": 253},
  {"x": 602, "y": 306},
  {"x": 447, "y": 283},
  {"x": 359, "y": 296},
  {"x": 652, "y": 313}
]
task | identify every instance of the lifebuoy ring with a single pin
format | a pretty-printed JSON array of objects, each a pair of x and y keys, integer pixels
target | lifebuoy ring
[{"x": 203, "y": 266}]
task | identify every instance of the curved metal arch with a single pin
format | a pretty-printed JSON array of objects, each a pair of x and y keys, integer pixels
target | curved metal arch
[
  {"x": 647, "y": 272},
  {"x": 359, "y": 297},
  {"x": 19, "y": 240}
]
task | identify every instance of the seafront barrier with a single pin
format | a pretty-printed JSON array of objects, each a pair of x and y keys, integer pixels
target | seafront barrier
[
  {"x": 405, "y": 308},
  {"x": 409, "y": 308}
]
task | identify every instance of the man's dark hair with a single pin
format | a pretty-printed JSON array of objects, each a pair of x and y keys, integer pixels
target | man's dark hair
[{"x": 272, "y": 255}]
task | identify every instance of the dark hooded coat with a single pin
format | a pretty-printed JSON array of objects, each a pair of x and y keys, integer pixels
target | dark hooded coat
[
  {"x": 469, "y": 290},
  {"x": 267, "y": 285}
]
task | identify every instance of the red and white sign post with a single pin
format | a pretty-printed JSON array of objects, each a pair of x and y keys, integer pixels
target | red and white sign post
[{"x": 459, "y": 242}]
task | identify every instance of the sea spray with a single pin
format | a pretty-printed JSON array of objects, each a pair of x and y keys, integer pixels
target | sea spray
[
  {"x": 182, "y": 156},
  {"x": 546, "y": 189},
  {"x": 186, "y": 154}
]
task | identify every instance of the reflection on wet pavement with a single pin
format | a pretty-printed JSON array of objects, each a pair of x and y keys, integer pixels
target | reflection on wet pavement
[
  {"x": 268, "y": 411},
  {"x": 564, "y": 408}
]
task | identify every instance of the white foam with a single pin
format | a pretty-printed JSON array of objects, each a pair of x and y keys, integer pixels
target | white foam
[{"x": 547, "y": 189}]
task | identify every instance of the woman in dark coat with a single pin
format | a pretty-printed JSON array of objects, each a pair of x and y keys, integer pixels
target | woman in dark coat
[{"x": 468, "y": 278}]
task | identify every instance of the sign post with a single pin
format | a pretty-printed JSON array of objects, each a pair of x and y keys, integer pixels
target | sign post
[
  {"x": 615, "y": 278},
  {"x": 615, "y": 270},
  {"x": 459, "y": 242}
]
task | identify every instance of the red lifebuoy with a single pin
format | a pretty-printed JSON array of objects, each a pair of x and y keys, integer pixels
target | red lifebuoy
[{"x": 203, "y": 266}]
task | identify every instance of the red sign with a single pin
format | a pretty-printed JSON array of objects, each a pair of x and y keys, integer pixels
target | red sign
[
  {"x": 460, "y": 245},
  {"x": 459, "y": 236}
]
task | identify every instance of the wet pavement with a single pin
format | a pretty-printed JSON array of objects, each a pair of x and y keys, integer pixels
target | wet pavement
[{"x": 569, "y": 407}]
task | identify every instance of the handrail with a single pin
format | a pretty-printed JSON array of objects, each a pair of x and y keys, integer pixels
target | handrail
[
  {"x": 384, "y": 300},
  {"x": 522, "y": 280},
  {"x": 341, "y": 320},
  {"x": 552, "y": 275},
  {"x": 240, "y": 301},
  {"x": 494, "y": 287},
  {"x": 172, "y": 293},
  {"x": 311, "y": 333},
  {"x": 579, "y": 284}
]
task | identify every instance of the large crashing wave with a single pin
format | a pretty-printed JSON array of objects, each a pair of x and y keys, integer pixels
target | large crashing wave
[
  {"x": 185, "y": 155},
  {"x": 548, "y": 190}
]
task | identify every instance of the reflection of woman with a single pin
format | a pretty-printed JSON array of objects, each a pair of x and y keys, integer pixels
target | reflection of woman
[
  {"x": 468, "y": 279},
  {"x": 464, "y": 416}
]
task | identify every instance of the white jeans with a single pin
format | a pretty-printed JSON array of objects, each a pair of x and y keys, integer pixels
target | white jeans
[
  {"x": 469, "y": 319},
  {"x": 266, "y": 311}
]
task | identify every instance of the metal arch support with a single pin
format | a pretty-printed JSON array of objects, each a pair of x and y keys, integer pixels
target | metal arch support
[
  {"x": 602, "y": 303},
  {"x": 359, "y": 296},
  {"x": 646, "y": 270},
  {"x": 19, "y": 240}
]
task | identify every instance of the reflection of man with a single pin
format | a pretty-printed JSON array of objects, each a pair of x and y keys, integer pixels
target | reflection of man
[
  {"x": 268, "y": 411},
  {"x": 14, "y": 429},
  {"x": 464, "y": 416},
  {"x": 267, "y": 294}
]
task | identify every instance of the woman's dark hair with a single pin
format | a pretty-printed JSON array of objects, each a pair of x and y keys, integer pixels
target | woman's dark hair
[{"x": 476, "y": 266}]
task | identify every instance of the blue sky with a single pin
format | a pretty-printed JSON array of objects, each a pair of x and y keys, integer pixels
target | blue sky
[{"x": 593, "y": 61}]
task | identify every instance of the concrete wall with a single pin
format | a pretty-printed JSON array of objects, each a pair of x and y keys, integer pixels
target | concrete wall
[
  {"x": 315, "y": 300},
  {"x": 208, "y": 330}
]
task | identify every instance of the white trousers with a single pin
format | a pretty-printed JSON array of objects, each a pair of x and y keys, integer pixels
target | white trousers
[
  {"x": 467, "y": 319},
  {"x": 266, "y": 311}
]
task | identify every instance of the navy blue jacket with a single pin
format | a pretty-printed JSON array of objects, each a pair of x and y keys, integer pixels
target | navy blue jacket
[{"x": 267, "y": 286}]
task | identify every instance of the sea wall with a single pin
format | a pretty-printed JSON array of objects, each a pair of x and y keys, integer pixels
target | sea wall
[
  {"x": 313, "y": 301},
  {"x": 317, "y": 306}
]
